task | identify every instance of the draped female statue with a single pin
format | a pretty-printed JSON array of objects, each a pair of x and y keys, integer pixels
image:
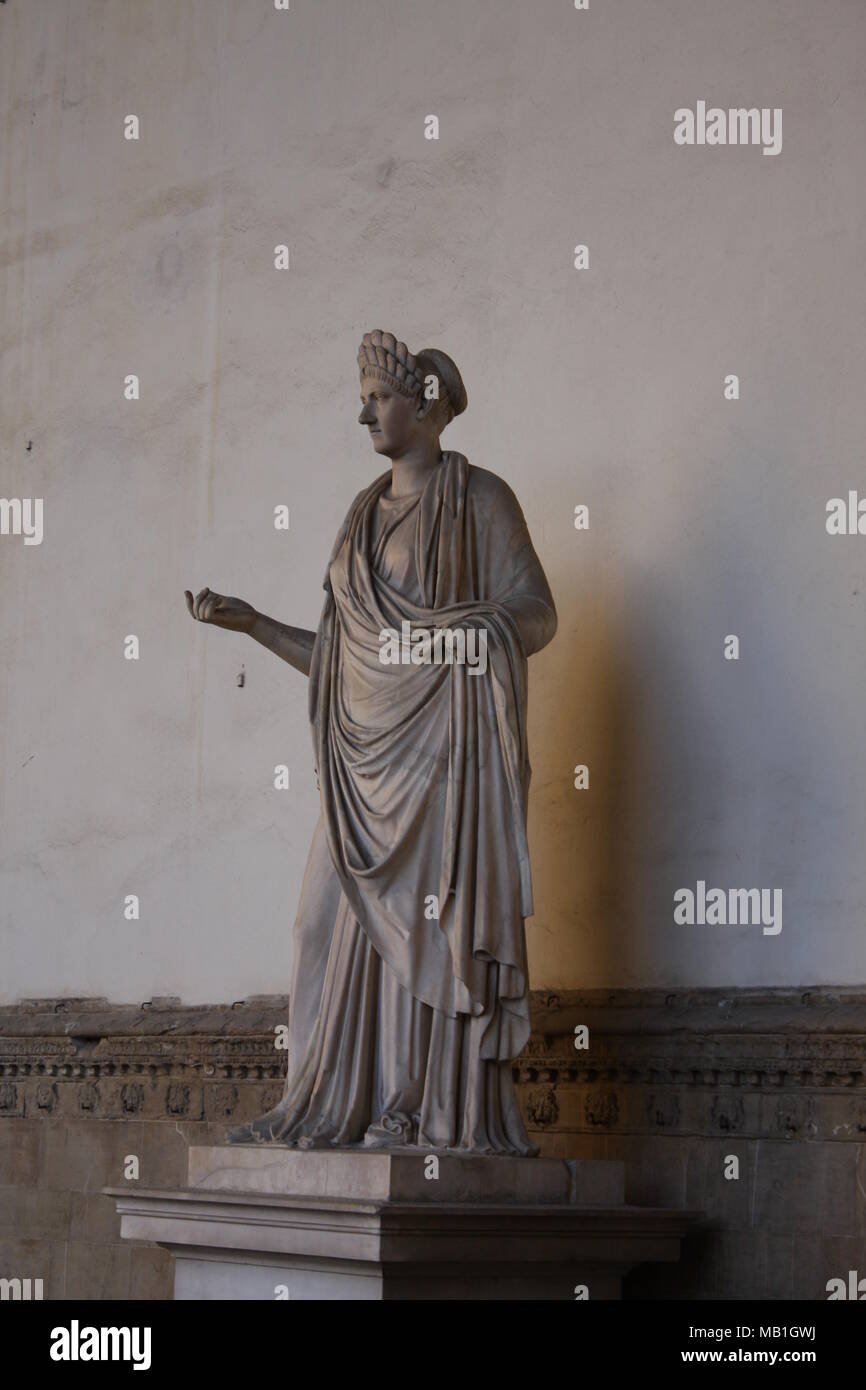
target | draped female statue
[{"x": 409, "y": 997}]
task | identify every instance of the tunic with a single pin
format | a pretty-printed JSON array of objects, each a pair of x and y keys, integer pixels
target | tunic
[{"x": 409, "y": 997}]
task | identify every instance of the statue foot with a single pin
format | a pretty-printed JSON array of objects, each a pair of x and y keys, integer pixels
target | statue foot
[
  {"x": 260, "y": 1131},
  {"x": 393, "y": 1130}
]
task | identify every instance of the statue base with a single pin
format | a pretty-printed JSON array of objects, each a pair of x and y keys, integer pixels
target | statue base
[{"x": 269, "y": 1222}]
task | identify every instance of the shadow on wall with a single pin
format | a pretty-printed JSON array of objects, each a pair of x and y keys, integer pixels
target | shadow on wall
[
  {"x": 699, "y": 768},
  {"x": 581, "y": 863}
]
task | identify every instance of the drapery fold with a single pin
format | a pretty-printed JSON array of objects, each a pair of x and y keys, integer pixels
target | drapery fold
[
  {"x": 423, "y": 769},
  {"x": 409, "y": 994}
]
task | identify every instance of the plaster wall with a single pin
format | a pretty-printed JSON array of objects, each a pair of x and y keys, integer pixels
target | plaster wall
[{"x": 601, "y": 387}]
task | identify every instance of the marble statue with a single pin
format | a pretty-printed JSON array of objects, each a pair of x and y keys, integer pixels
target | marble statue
[{"x": 409, "y": 997}]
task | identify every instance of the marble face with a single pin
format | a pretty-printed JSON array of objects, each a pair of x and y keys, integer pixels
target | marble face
[{"x": 393, "y": 420}]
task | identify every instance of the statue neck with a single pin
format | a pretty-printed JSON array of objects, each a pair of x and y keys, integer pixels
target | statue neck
[{"x": 410, "y": 472}]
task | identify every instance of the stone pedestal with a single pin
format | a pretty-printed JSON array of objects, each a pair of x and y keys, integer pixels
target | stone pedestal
[{"x": 270, "y": 1222}]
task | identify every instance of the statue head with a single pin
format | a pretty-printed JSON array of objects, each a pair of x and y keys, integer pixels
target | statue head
[{"x": 406, "y": 398}]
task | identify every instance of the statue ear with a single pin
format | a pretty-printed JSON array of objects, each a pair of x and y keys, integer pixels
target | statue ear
[{"x": 424, "y": 406}]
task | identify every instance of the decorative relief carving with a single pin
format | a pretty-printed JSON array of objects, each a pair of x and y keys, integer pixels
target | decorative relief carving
[
  {"x": 88, "y": 1098},
  {"x": 776, "y": 1063},
  {"x": 795, "y": 1118},
  {"x": 663, "y": 1110},
  {"x": 223, "y": 1100},
  {"x": 541, "y": 1108},
  {"x": 177, "y": 1100},
  {"x": 132, "y": 1099},
  {"x": 9, "y": 1104},
  {"x": 728, "y": 1114},
  {"x": 601, "y": 1109},
  {"x": 46, "y": 1096}
]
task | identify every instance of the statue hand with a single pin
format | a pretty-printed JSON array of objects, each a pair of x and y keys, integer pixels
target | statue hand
[{"x": 231, "y": 613}]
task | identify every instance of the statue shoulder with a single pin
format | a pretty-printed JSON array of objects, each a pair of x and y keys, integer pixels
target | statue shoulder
[
  {"x": 493, "y": 493},
  {"x": 375, "y": 487}
]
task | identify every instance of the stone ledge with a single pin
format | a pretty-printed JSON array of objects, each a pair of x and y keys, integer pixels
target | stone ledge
[
  {"x": 808, "y": 1009},
  {"x": 89, "y": 1020},
  {"x": 399, "y": 1175},
  {"x": 344, "y": 1227},
  {"x": 814, "y": 1008},
  {"x": 227, "y": 1218}
]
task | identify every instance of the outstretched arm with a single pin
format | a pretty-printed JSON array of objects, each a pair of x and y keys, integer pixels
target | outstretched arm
[{"x": 291, "y": 644}]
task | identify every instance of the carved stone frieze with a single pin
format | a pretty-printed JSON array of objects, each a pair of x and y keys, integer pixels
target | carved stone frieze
[{"x": 787, "y": 1064}]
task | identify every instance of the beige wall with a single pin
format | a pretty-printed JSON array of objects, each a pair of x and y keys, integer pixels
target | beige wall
[{"x": 601, "y": 387}]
